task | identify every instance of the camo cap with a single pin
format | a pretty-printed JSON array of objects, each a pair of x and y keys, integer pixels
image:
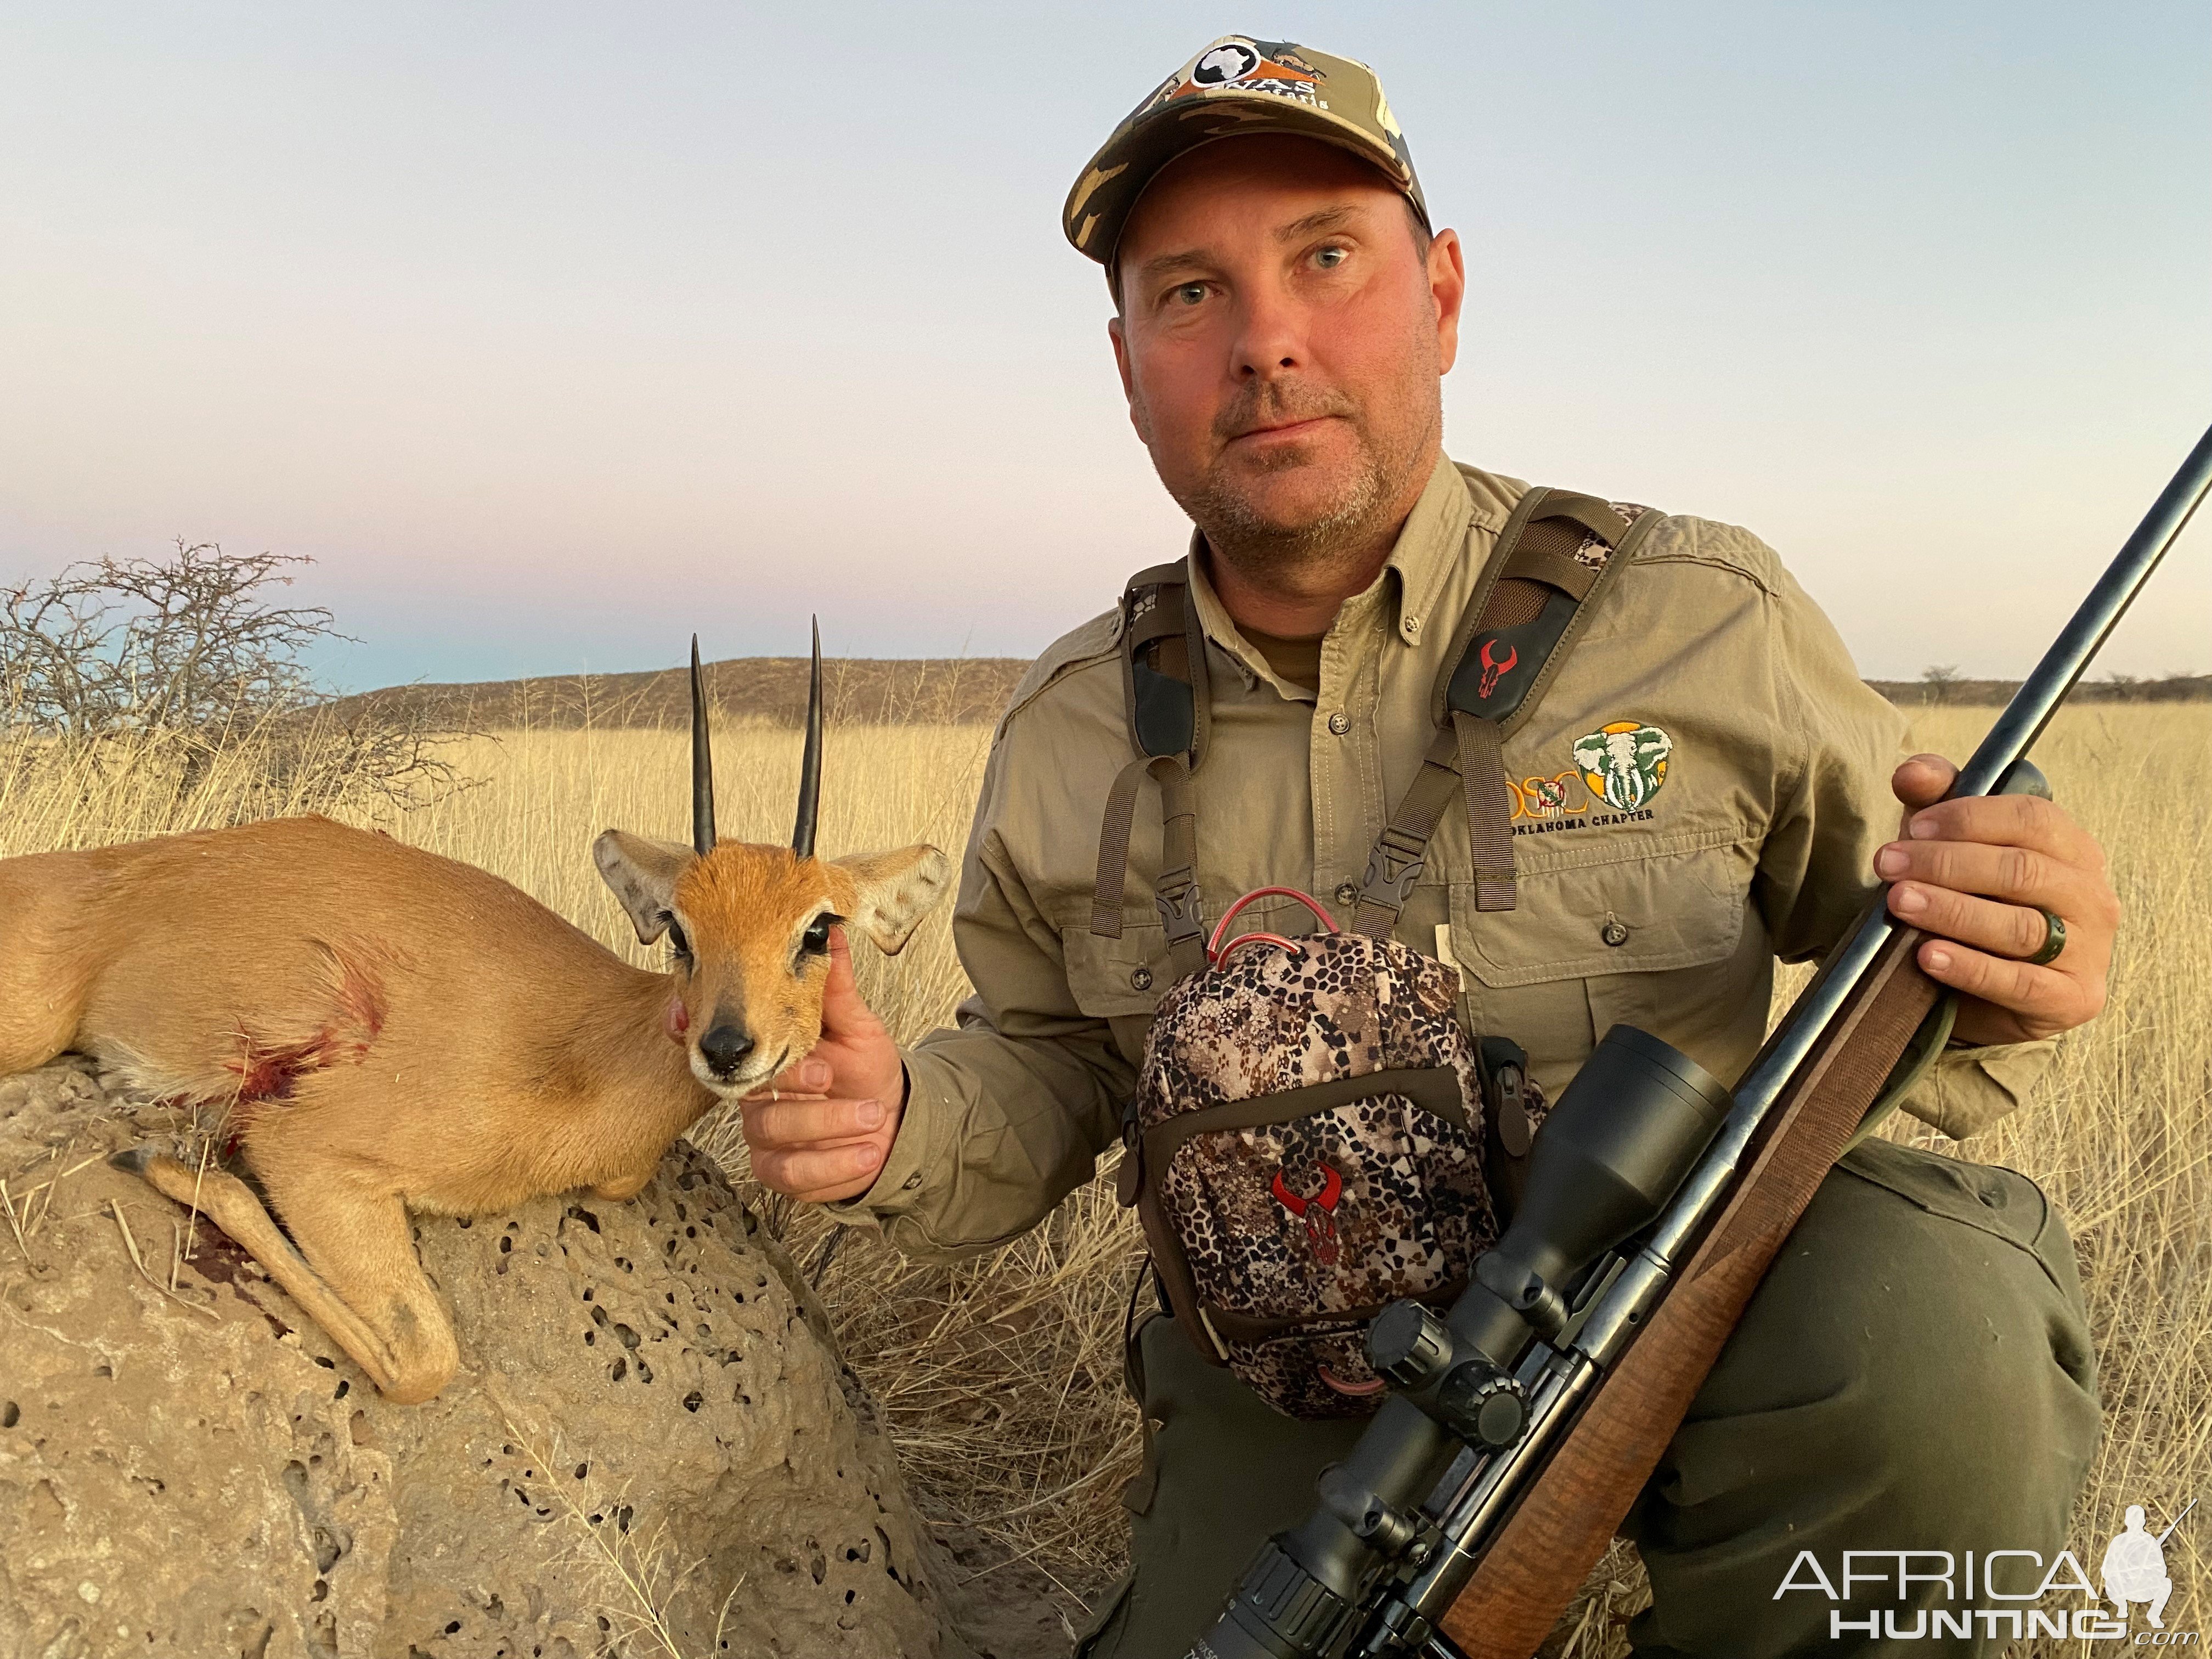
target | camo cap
[{"x": 1237, "y": 85}]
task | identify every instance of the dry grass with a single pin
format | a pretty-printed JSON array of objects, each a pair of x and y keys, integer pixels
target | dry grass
[
  {"x": 2121, "y": 1135},
  {"x": 999, "y": 1379}
]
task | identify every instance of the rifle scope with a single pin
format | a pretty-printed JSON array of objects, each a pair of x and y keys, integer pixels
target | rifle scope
[{"x": 1609, "y": 1156}]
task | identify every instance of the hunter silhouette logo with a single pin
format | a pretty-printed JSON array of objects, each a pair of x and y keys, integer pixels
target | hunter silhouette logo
[
  {"x": 2133, "y": 1568},
  {"x": 1318, "y": 1212},
  {"x": 1492, "y": 666},
  {"x": 1996, "y": 1593},
  {"x": 1623, "y": 763}
]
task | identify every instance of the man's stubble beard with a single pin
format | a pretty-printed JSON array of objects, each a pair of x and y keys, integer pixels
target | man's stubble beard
[{"x": 1304, "y": 556}]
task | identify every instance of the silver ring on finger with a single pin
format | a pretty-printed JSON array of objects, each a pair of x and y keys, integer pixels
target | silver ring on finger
[{"x": 2054, "y": 940}]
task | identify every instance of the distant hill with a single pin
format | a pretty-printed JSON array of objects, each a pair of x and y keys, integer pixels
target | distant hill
[
  {"x": 936, "y": 691},
  {"x": 767, "y": 690},
  {"x": 1995, "y": 694}
]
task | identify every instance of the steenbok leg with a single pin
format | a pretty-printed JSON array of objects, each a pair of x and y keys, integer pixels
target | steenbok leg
[
  {"x": 358, "y": 1241},
  {"x": 233, "y": 1205}
]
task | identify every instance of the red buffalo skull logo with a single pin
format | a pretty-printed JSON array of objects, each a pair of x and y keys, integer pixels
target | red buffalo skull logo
[
  {"x": 1492, "y": 667},
  {"x": 1315, "y": 1212}
]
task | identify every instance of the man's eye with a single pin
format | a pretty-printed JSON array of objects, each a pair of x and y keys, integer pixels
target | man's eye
[
  {"x": 815, "y": 941},
  {"x": 1329, "y": 258},
  {"x": 1190, "y": 293},
  {"x": 677, "y": 941}
]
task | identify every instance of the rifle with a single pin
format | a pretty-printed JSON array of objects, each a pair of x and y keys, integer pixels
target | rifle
[
  {"x": 1522, "y": 1424},
  {"x": 2176, "y": 1522}
]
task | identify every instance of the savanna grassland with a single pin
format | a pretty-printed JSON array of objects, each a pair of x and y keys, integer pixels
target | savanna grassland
[{"x": 1000, "y": 1378}]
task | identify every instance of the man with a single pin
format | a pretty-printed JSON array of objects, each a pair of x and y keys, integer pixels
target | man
[{"x": 1914, "y": 1372}]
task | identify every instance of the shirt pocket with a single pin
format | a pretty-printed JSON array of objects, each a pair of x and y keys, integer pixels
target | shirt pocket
[
  {"x": 1122, "y": 980},
  {"x": 1650, "y": 933}
]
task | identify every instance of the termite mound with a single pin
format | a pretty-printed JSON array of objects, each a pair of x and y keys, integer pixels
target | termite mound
[{"x": 652, "y": 1431}]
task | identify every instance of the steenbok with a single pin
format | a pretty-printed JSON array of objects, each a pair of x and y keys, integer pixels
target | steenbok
[{"x": 379, "y": 1030}]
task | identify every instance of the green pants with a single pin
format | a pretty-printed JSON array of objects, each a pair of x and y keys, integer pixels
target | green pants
[{"x": 1914, "y": 1373}]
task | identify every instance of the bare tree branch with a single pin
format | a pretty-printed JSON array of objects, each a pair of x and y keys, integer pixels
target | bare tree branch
[{"x": 194, "y": 649}]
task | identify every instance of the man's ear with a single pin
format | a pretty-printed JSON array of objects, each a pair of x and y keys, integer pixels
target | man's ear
[
  {"x": 893, "y": 891},
  {"x": 643, "y": 874},
  {"x": 1118, "y": 333},
  {"x": 1447, "y": 276},
  {"x": 1117, "y": 330}
]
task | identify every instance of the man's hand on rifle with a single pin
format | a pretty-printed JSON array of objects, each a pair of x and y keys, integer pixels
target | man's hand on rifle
[
  {"x": 1980, "y": 873},
  {"x": 825, "y": 1128}
]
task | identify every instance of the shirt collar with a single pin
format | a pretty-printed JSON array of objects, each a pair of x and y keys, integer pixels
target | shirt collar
[
  {"x": 1221, "y": 631},
  {"x": 1429, "y": 548}
]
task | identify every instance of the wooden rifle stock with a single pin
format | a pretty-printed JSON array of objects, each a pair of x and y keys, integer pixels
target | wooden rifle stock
[{"x": 1554, "y": 1536}]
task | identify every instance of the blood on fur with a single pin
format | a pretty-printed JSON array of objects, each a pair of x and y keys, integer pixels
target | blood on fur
[{"x": 269, "y": 1072}]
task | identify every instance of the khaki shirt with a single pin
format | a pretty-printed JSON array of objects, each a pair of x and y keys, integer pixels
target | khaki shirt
[{"x": 1668, "y": 912}]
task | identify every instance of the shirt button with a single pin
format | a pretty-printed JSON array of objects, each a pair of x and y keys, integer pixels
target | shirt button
[
  {"x": 1339, "y": 722},
  {"x": 1346, "y": 893},
  {"x": 911, "y": 1181},
  {"x": 1413, "y": 624},
  {"x": 1613, "y": 933},
  {"x": 1142, "y": 979}
]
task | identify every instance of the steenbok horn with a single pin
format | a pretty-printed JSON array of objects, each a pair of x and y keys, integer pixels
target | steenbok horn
[
  {"x": 810, "y": 768},
  {"x": 702, "y": 764}
]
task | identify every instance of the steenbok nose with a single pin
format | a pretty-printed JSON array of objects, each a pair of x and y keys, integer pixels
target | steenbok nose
[{"x": 724, "y": 1048}]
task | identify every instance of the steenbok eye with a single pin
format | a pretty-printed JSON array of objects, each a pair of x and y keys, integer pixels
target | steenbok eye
[
  {"x": 677, "y": 941},
  {"x": 815, "y": 941}
]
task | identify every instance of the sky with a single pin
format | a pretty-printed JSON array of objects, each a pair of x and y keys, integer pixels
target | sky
[{"x": 552, "y": 333}]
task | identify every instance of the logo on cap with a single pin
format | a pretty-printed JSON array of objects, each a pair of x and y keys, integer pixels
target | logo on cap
[
  {"x": 1274, "y": 67},
  {"x": 1232, "y": 60}
]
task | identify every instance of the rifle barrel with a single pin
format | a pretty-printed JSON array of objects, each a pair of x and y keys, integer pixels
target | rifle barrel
[
  {"x": 2069, "y": 658},
  {"x": 2005, "y": 745}
]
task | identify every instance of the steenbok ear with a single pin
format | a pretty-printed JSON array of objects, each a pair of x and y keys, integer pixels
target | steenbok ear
[
  {"x": 892, "y": 892},
  {"x": 643, "y": 874}
]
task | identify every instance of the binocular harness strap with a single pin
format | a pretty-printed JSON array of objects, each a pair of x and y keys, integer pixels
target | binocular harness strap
[
  {"x": 1163, "y": 690},
  {"x": 1556, "y": 552}
]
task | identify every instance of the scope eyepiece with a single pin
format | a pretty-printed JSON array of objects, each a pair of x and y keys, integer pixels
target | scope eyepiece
[{"x": 1280, "y": 1611}]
